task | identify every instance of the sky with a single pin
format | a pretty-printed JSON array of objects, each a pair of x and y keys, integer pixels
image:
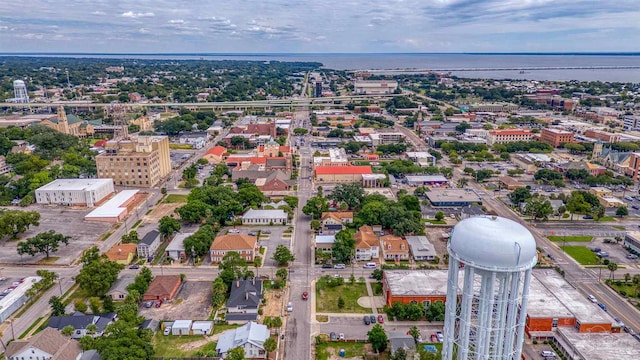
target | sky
[{"x": 319, "y": 26}]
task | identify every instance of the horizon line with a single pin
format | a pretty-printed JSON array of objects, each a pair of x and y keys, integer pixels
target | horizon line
[{"x": 627, "y": 53}]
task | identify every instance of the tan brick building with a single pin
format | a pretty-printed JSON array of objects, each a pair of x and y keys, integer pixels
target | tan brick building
[{"x": 140, "y": 161}]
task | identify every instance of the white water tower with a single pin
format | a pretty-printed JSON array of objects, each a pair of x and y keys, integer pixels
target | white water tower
[
  {"x": 493, "y": 256},
  {"x": 20, "y": 93}
]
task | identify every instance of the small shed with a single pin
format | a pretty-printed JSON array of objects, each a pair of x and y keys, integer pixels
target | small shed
[
  {"x": 202, "y": 327},
  {"x": 181, "y": 327}
]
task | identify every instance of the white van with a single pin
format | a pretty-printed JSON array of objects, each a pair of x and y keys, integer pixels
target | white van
[
  {"x": 548, "y": 354},
  {"x": 370, "y": 265}
]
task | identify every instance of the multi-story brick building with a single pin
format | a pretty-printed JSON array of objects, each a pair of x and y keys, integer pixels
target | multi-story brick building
[
  {"x": 633, "y": 169},
  {"x": 508, "y": 136},
  {"x": 141, "y": 161},
  {"x": 555, "y": 137}
]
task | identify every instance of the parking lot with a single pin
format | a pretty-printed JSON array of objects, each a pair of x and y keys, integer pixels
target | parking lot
[
  {"x": 60, "y": 219},
  {"x": 193, "y": 302},
  {"x": 353, "y": 327}
]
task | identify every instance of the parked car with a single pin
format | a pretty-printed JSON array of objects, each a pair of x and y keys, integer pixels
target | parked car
[
  {"x": 234, "y": 231},
  {"x": 290, "y": 307},
  {"x": 333, "y": 336},
  {"x": 167, "y": 330},
  {"x": 366, "y": 320},
  {"x": 602, "y": 306},
  {"x": 603, "y": 254},
  {"x": 596, "y": 250},
  {"x": 548, "y": 354},
  {"x": 159, "y": 303},
  {"x": 592, "y": 299},
  {"x": 373, "y": 319},
  {"x": 381, "y": 319},
  {"x": 252, "y": 234},
  {"x": 588, "y": 217},
  {"x": 327, "y": 266},
  {"x": 341, "y": 336},
  {"x": 134, "y": 267},
  {"x": 339, "y": 266},
  {"x": 632, "y": 256},
  {"x": 434, "y": 338},
  {"x": 148, "y": 304},
  {"x": 439, "y": 336}
]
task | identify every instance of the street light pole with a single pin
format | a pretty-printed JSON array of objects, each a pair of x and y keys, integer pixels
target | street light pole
[
  {"x": 60, "y": 284},
  {"x": 13, "y": 334}
]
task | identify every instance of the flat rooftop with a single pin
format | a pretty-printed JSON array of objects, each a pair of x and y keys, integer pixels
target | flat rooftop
[
  {"x": 584, "y": 310},
  {"x": 177, "y": 244},
  {"x": 113, "y": 207},
  {"x": 602, "y": 346},
  {"x": 543, "y": 303},
  {"x": 426, "y": 178},
  {"x": 452, "y": 195},
  {"x": 76, "y": 184},
  {"x": 416, "y": 282}
]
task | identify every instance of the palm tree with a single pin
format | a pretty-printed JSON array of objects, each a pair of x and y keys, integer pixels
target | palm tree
[
  {"x": 627, "y": 277},
  {"x": 91, "y": 329},
  {"x": 462, "y": 182},
  {"x": 612, "y": 267},
  {"x": 67, "y": 330}
]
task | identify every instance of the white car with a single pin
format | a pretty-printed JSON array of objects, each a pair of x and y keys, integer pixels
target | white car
[
  {"x": 592, "y": 299},
  {"x": 234, "y": 231},
  {"x": 290, "y": 307},
  {"x": 167, "y": 330}
]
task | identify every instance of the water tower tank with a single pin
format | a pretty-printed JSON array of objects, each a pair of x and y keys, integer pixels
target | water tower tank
[{"x": 493, "y": 257}]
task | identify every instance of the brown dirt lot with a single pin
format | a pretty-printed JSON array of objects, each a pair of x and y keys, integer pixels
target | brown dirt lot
[
  {"x": 160, "y": 211},
  {"x": 274, "y": 303},
  {"x": 193, "y": 302},
  {"x": 435, "y": 236}
]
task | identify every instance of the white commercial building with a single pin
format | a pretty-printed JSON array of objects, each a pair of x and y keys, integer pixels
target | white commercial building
[
  {"x": 264, "y": 217},
  {"x": 375, "y": 87},
  {"x": 16, "y": 297},
  {"x": 77, "y": 192},
  {"x": 114, "y": 210}
]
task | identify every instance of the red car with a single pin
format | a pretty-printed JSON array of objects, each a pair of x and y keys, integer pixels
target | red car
[
  {"x": 159, "y": 303},
  {"x": 305, "y": 295},
  {"x": 380, "y": 319}
]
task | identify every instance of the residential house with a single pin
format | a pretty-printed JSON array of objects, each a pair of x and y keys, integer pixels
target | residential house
[
  {"x": 394, "y": 248},
  {"x": 250, "y": 337},
  {"x": 196, "y": 139},
  {"x": 118, "y": 291},
  {"x": 215, "y": 155},
  {"x": 150, "y": 324},
  {"x": 122, "y": 253},
  {"x": 325, "y": 243},
  {"x": 46, "y": 344},
  {"x": 367, "y": 244},
  {"x": 163, "y": 287},
  {"x": 245, "y": 245},
  {"x": 4, "y": 167},
  {"x": 80, "y": 321},
  {"x": 421, "y": 248},
  {"x": 175, "y": 250},
  {"x": 149, "y": 244},
  {"x": 264, "y": 217},
  {"x": 277, "y": 180},
  {"x": 334, "y": 221},
  {"x": 400, "y": 340},
  {"x": 244, "y": 300}
]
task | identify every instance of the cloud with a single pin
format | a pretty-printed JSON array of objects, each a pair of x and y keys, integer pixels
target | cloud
[
  {"x": 134, "y": 15},
  {"x": 98, "y": 12},
  {"x": 176, "y": 21},
  {"x": 144, "y": 31}
]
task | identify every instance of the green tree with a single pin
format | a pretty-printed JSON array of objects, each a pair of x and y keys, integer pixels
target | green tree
[
  {"x": 107, "y": 304},
  {"x": 168, "y": 225},
  {"x": 377, "y": 274},
  {"x": 43, "y": 243},
  {"x": 95, "y": 305},
  {"x": 80, "y": 305},
  {"x": 218, "y": 293},
  {"x": 340, "y": 302},
  {"x": 232, "y": 267},
  {"x": 415, "y": 333},
  {"x": 122, "y": 340},
  {"x": 435, "y": 312},
  {"x": 350, "y": 194},
  {"x": 399, "y": 354},
  {"x": 57, "y": 307},
  {"x": 622, "y": 211},
  {"x": 235, "y": 354},
  {"x": 14, "y": 222},
  {"x": 343, "y": 246},
  {"x": 91, "y": 329},
  {"x": 190, "y": 172},
  {"x": 97, "y": 274},
  {"x": 270, "y": 345},
  {"x": 282, "y": 273},
  {"x": 538, "y": 207},
  {"x": 130, "y": 238},
  {"x": 520, "y": 195},
  {"x": 67, "y": 330},
  {"x": 377, "y": 338},
  {"x": 315, "y": 225},
  {"x": 282, "y": 255},
  {"x": 315, "y": 206},
  {"x": 612, "y": 268},
  {"x": 439, "y": 216}
]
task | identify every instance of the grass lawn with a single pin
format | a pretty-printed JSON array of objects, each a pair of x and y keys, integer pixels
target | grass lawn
[
  {"x": 607, "y": 219},
  {"x": 581, "y": 254},
  {"x": 322, "y": 318},
  {"x": 169, "y": 346},
  {"x": 585, "y": 238},
  {"x": 619, "y": 227},
  {"x": 327, "y": 297},
  {"x": 377, "y": 288},
  {"x": 435, "y": 222},
  {"x": 220, "y": 328},
  {"x": 49, "y": 260},
  {"x": 175, "y": 198},
  {"x": 437, "y": 345},
  {"x": 628, "y": 288},
  {"x": 352, "y": 350}
]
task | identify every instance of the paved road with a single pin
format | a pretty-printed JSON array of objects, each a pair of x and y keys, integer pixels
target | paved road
[{"x": 297, "y": 342}]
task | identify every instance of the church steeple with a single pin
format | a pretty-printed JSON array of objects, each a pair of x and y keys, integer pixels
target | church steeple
[{"x": 63, "y": 124}]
